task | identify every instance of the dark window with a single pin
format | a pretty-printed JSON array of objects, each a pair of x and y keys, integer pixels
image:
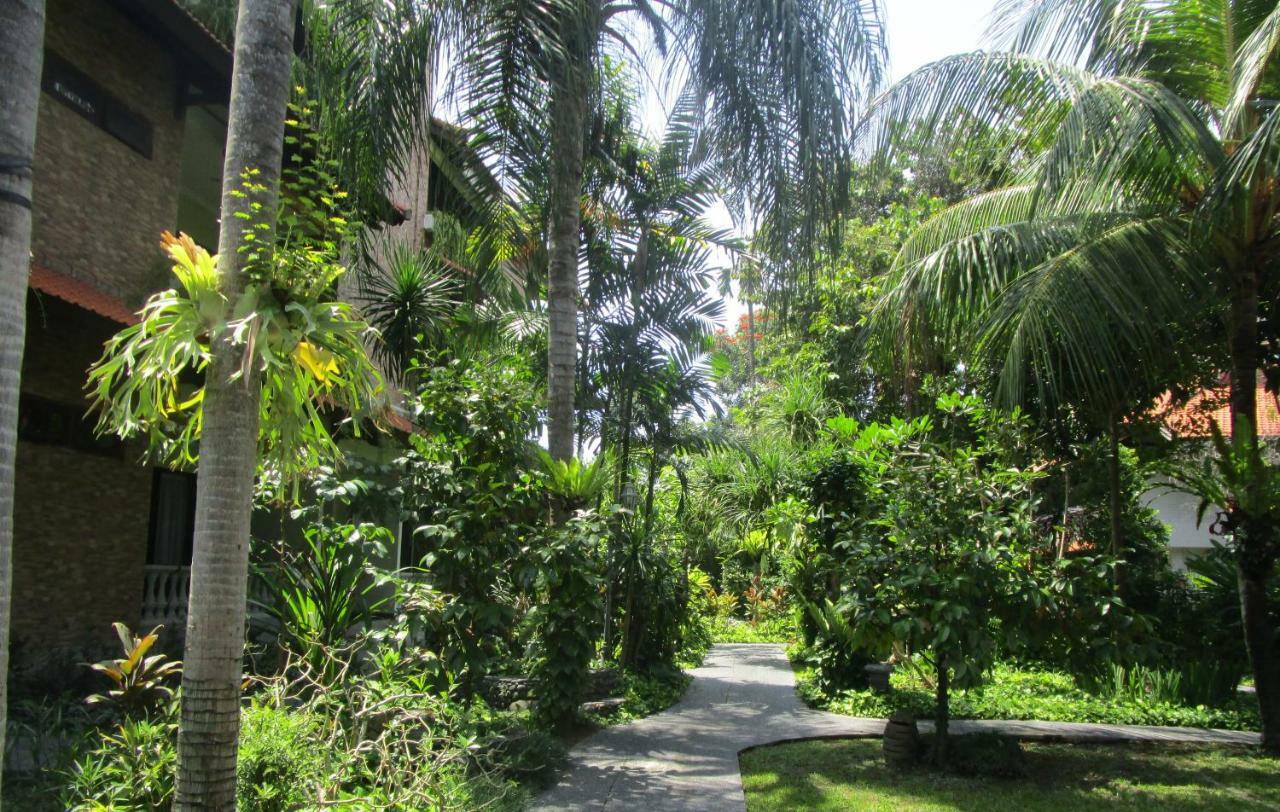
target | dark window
[
  {"x": 412, "y": 546},
  {"x": 49, "y": 422},
  {"x": 69, "y": 85},
  {"x": 173, "y": 519}
]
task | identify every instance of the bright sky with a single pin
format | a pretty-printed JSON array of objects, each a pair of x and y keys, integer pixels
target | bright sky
[{"x": 921, "y": 31}]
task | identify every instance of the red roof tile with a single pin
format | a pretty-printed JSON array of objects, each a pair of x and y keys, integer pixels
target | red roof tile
[
  {"x": 1211, "y": 406},
  {"x": 81, "y": 294}
]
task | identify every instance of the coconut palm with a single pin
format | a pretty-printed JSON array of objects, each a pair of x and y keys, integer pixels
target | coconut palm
[
  {"x": 21, "y": 56},
  {"x": 210, "y": 722},
  {"x": 1145, "y": 203},
  {"x": 775, "y": 88}
]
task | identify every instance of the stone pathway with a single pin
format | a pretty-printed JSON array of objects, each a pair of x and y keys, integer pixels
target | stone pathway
[{"x": 743, "y": 695}]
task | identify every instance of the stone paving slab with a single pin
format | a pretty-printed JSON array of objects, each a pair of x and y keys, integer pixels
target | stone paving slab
[{"x": 743, "y": 695}]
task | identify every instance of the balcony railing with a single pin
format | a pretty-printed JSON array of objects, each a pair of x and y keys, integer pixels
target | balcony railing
[{"x": 164, "y": 596}]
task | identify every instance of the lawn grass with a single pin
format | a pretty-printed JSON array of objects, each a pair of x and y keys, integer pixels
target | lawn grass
[{"x": 850, "y": 774}]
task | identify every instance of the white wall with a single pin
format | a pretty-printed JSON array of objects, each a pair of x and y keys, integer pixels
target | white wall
[{"x": 1178, "y": 511}]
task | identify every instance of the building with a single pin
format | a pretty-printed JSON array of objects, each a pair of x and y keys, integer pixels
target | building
[
  {"x": 130, "y": 142},
  {"x": 1191, "y": 424}
]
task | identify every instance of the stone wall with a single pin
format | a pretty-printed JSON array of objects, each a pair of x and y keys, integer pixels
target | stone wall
[
  {"x": 80, "y": 520},
  {"x": 99, "y": 205}
]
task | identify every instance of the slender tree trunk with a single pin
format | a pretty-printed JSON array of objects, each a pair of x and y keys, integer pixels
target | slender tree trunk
[
  {"x": 632, "y": 624},
  {"x": 1116, "y": 498},
  {"x": 942, "y": 713},
  {"x": 624, "y": 471},
  {"x": 648, "y": 497},
  {"x": 751, "y": 341},
  {"x": 21, "y": 54},
  {"x": 568, "y": 122},
  {"x": 210, "y": 725},
  {"x": 1255, "y": 553}
]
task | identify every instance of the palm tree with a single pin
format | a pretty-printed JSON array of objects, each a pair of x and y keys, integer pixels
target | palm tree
[
  {"x": 774, "y": 87},
  {"x": 208, "y": 732},
  {"x": 21, "y": 55},
  {"x": 1145, "y": 203}
]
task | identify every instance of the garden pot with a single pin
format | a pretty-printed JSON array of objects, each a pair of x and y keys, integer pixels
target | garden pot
[
  {"x": 901, "y": 740},
  {"x": 878, "y": 676}
]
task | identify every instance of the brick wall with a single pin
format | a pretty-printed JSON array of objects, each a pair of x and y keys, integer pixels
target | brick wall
[
  {"x": 80, "y": 520},
  {"x": 99, "y": 205}
]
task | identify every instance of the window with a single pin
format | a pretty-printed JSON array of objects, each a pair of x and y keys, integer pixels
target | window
[
  {"x": 69, "y": 85},
  {"x": 173, "y": 519},
  {"x": 412, "y": 546},
  {"x": 49, "y": 422}
]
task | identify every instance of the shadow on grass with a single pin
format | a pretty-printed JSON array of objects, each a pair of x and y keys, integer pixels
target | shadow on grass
[{"x": 850, "y": 774}]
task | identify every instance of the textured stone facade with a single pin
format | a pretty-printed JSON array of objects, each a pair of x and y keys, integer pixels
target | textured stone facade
[
  {"x": 99, "y": 205},
  {"x": 80, "y": 520}
]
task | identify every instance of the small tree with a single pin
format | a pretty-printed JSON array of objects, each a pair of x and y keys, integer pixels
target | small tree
[{"x": 940, "y": 561}]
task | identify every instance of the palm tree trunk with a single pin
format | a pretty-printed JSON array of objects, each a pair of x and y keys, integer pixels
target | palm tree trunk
[
  {"x": 1255, "y": 560},
  {"x": 209, "y": 730},
  {"x": 21, "y": 54},
  {"x": 568, "y": 123}
]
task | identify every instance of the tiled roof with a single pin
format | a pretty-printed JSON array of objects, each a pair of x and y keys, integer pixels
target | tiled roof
[
  {"x": 1211, "y": 406},
  {"x": 81, "y": 294}
]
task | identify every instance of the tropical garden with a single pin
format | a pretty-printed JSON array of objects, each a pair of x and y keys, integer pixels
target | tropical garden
[{"x": 881, "y": 373}]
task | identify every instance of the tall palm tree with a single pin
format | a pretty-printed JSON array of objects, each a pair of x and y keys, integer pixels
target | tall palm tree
[
  {"x": 1146, "y": 201},
  {"x": 776, "y": 86},
  {"x": 208, "y": 732},
  {"x": 21, "y": 55}
]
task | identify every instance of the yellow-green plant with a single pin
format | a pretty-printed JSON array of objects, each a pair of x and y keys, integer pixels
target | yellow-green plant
[
  {"x": 138, "y": 680},
  {"x": 309, "y": 349}
]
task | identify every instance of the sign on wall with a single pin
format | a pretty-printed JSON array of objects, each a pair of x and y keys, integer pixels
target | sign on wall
[{"x": 66, "y": 83}]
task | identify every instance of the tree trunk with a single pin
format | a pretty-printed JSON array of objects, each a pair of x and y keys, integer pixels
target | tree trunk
[
  {"x": 1116, "y": 499},
  {"x": 209, "y": 730},
  {"x": 1259, "y": 634},
  {"x": 21, "y": 54},
  {"x": 942, "y": 713},
  {"x": 1255, "y": 543},
  {"x": 751, "y": 342},
  {"x": 568, "y": 123}
]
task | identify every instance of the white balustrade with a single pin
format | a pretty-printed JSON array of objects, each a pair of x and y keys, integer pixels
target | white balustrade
[{"x": 164, "y": 596}]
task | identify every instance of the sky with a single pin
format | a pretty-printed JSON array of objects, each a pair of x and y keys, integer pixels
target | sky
[{"x": 919, "y": 32}]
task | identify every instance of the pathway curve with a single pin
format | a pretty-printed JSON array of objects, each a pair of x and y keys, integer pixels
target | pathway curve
[{"x": 743, "y": 695}]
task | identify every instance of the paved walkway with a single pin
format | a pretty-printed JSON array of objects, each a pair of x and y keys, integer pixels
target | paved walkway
[{"x": 743, "y": 695}]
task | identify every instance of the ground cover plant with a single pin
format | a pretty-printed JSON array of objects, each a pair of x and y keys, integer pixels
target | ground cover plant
[
  {"x": 1027, "y": 692},
  {"x": 850, "y": 774}
]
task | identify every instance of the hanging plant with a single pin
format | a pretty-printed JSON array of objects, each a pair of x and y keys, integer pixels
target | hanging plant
[{"x": 308, "y": 351}]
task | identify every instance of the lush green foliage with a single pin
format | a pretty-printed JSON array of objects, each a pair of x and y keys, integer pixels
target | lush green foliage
[
  {"x": 1020, "y": 692},
  {"x": 307, "y": 350},
  {"x": 474, "y": 500},
  {"x": 324, "y": 590},
  {"x": 568, "y": 580},
  {"x": 132, "y": 765}
]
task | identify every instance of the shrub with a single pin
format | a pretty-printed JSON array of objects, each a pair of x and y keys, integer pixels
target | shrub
[
  {"x": 138, "y": 680},
  {"x": 321, "y": 592},
  {"x": 1029, "y": 694},
  {"x": 835, "y": 653},
  {"x": 282, "y": 763},
  {"x": 131, "y": 767},
  {"x": 567, "y": 576}
]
